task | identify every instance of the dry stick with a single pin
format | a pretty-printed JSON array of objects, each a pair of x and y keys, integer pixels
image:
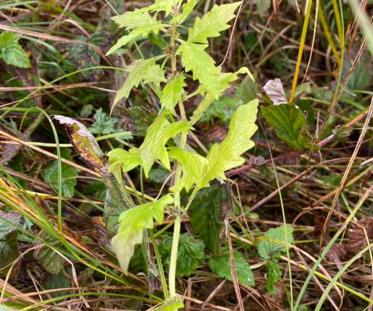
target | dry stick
[
  {"x": 60, "y": 86},
  {"x": 15, "y": 292},
  {"x": 212, "y": 295},
  {"x": 347, "y": 171},
  {"x": 232, "y": 34},
  {"x": 355, "y": 62},
  {"x": 330, "y": 138},
  {"x": 200, "y": 302},
  {"x": 274, "y": 193}
]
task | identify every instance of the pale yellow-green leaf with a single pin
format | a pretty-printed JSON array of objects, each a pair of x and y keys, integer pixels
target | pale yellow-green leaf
[
  {"x": 164, "y": 5},
  {"x": 227, "y": 154},
  {"x": 186, "y": 11},
  {"x": 173, "y": 92},
  {"x": 134, "y": 19},
  {"x": 192, "y": 164},
  {"x": 212, "y": 23},
  {"x": 194, "y": 58},
  {"x": 126, "y": 160},
  {"x": 200, "y": 171},
  {"x": 132, "y": 223},
  {"x": 157, "y": 135},
  {"x": 136, "y": 34},
  {"x": 145, "y": 71}
]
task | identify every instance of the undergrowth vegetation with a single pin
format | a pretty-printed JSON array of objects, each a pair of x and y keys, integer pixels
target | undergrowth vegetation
[{"x": 186, "y": 155}]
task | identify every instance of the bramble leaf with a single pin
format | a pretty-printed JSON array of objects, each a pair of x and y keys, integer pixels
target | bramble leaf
[
  {"x": 173, "y": 92},
  {"x": 206, "y": 215},
  {"x": 289, "y": 124},
  {"x": 221, "y": 266},
  {"x": 212, "y": 23},
  {"x": 190, "y": 253},
  {"x": 132, "y": 223},
  {"x": 274, "y": 241},
  {"x": 145, "y": 71},
  {"x": 262, "y": 6},
  {"x": 7, "y": 39},
  {"x": 273, "y": 274},
  {"x": 221, "y": 109},
  {"x": 103, "y": 124},
  {"x": 50, "y": 260},
  {"x": 12, "y": 52},
  {"x": 8, "y": 252}
]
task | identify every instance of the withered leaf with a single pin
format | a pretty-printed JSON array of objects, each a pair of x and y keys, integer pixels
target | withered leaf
[{"x": 83, "y": 141}]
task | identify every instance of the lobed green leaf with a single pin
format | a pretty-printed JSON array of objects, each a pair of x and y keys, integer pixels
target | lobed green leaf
[
  {"x": 152, "y": 149},
  {"x": 186, "y": 11},
  {"x": 194, "y": 58},
  {"x": 227, "y": 155},
  {"x": 201, "y": 171},
  {"x": 132, "y": 223},
  {"x": 192, "y": 164},
  {"x": 134, "y": 19},
  {"x": 173, "y": 92},
  {"x": 212, "y": 23},
  {"x": 145, "y": 71},
  {"x": 136, "y": 34}
]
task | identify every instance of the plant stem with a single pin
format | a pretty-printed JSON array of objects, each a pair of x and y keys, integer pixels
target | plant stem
[
  {"x": 173, "y": 258},
  {"x": 183, "y": 138}
]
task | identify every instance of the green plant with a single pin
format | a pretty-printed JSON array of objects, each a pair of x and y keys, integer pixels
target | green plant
[
  {"x": 170, "y": 77},
  {"x": 11, "y": 52},
  {"x": 270, "y": 247}
]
